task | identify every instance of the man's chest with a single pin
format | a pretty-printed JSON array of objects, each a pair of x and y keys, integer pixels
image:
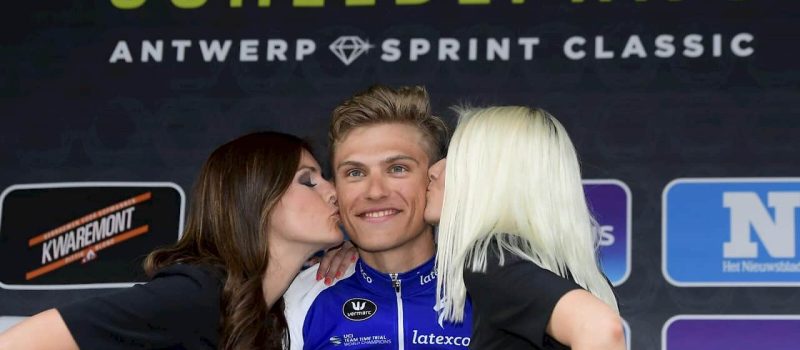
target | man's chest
[{"x": 364, "y": 321}]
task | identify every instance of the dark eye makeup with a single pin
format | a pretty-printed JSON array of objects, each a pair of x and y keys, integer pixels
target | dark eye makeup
[{"x": 305, "y": 179}]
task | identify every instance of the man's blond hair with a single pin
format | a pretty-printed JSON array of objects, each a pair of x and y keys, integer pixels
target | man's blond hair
[{"x": 380, "y": 104}]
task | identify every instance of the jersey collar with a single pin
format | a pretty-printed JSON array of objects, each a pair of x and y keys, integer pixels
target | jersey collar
[{"x": 422, "y": 278}]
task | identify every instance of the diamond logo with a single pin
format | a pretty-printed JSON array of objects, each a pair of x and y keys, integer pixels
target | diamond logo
[{"x": 348, "y": 48}]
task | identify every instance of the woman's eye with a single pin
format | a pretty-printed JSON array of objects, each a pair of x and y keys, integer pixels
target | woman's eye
[
  {"x": 309, "y": 184},
  {"x": 305, "y": 180}
]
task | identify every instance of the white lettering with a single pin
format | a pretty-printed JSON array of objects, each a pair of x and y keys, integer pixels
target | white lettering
[
  {"x": 736, "y": 44},
  {"x": 716, "y": 48},
  {"x": 634, "y": 47},
  {"x": 569, "y": 48},
  {"x": 528, "y": 44},
  {"x": 276, "y": 49},
  {"x": 599, "y": 52},
  {"x": 305, "y": 47},
  {"x": 495, "y": 48},
  {"x": 423, "y": 280},
  {"x": 418, "y": 47},
  {"x": 86, "y": 235},
  {"x": 248, "y": 50},
  {"x": 746, "y": 210},
  {"x": 694, "y": 46},
  {"x": 431, "y": 339},
  {"x": 391, "y": 50},
  {"x": 607, "y": 235},
  {"x": 473, "y": 49},
  {"x": 214, "y": 50},
  {"x": 180, "y": 46},
  {"x": 156, "y": 52},
  {"x": 121, "y": 52},
  {"x": 448, "y": 49},
  {"x": 46, "y": 257},
  {"x": 664, "y": 46}
]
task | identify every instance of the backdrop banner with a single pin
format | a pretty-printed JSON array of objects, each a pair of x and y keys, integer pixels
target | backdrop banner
[{"x": 685, "y": 114}]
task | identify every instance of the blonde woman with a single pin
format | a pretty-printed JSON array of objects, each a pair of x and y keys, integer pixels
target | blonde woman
[{"x": 516, "y": 235}]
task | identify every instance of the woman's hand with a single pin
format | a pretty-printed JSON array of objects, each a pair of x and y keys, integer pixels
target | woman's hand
[{"x": 336, "y": 261}]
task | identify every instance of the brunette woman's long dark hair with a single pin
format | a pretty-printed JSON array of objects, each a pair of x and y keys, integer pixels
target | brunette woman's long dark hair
[{"x": 230, "y": 204}]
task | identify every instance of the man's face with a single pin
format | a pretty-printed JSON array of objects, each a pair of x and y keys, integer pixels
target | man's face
[{"x": 381, "y": 174}]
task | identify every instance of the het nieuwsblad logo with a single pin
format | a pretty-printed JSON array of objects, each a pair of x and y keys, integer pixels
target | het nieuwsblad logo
[
  {"x": 84, "y": 235},
  {"x": 731, "y": 232}
]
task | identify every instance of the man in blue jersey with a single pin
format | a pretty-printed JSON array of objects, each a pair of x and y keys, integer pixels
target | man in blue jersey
[{"x": 382, "y": 140}]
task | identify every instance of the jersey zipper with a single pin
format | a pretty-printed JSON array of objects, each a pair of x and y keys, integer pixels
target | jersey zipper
[{"x": 398, "y": 293}]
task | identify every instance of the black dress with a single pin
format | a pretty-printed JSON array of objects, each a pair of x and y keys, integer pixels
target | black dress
[
  {"x": 512, "y": 304},
  {"x": 178, "y": 309}
]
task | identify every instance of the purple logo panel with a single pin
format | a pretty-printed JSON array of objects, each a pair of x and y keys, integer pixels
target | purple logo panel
[
  {"x": 730, "y": 332},
  {"x": 610, "y": 203}
]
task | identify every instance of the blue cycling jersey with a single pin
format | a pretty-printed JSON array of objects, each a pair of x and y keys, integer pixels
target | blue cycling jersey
[{"x": 367, "y": 309}]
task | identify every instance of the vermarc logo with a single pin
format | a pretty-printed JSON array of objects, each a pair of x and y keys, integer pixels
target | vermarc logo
[{"x": 359, "y": 309}]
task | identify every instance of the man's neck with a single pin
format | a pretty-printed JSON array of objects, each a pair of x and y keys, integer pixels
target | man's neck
[{"x": 404, "y": 258}]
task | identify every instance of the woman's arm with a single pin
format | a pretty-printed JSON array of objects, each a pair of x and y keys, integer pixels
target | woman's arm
[
  {"x": 582, "y": 321},
  {"x": 43, "y": 331}
]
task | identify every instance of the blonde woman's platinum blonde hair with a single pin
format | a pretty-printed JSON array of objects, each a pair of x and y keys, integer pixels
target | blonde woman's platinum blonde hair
[{"x": 513, "y": 180}]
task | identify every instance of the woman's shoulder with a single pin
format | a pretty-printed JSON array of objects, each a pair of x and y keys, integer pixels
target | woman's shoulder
[
  {"x": 204, "y": 275},
  {"x": 180, "y": 299},
  {"x": 505, "y": 267}
]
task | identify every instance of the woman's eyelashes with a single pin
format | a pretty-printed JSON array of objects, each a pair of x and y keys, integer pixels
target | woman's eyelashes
[{"x": 305, "y": 180}]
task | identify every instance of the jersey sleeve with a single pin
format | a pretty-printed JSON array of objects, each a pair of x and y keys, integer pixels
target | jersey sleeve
[
  {"x": 180, "y": 302},
  {"x": 519, "y": 296},
  {"x": 299, "y": 299}
]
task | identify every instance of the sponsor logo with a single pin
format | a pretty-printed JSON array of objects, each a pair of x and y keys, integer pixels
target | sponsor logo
[
  {"x": 351, "y": 339},
  {"x": 731, "y": 232},
  {"x": 435, "y": 339},
  {"x": 364, "y": 274},
  {"x": 359, "y": 309},
  {"x": 425, "y": 279},
  {"x": 610, "y": 203},
  {"x": 53, "y": 234},
  {"x": 696, "y": 332},
  {"x": 747, "y": 210}
]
